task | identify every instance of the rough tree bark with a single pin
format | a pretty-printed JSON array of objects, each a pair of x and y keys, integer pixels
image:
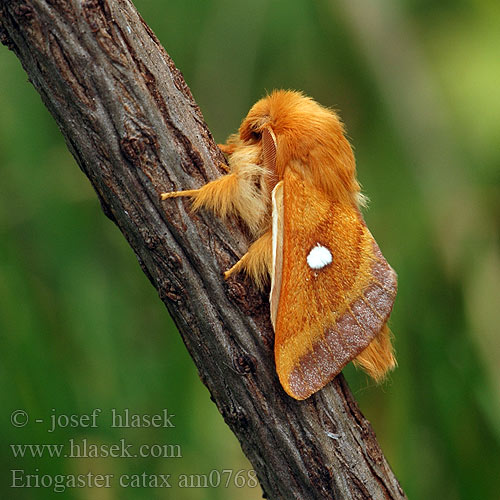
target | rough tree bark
[{"x": 132, "y": 125}]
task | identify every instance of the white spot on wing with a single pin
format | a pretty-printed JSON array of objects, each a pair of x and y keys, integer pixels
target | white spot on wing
[{"x": 319, "y": 257}]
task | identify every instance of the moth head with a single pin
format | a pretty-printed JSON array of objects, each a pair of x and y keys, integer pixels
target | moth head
[{"x": 306, "y": 137}]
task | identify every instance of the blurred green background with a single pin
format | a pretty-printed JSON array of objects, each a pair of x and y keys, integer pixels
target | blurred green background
[{"x": 417, "y": 84}]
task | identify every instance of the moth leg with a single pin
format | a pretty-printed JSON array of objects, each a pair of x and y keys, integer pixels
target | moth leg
[
  {"x": 178, "y": 194},
  {"x": 218, "y": 195},
  {"x": 225, "y": 167},
  {"x": 227, "y": 149},
  {"x": 257, "y": 262},
  {"x": 378, "y": 358}
]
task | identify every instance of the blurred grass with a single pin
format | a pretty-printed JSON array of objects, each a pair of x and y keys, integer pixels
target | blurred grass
[{"x": 81, "y": 326}]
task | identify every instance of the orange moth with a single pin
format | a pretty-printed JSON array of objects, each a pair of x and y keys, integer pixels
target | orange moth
[{"x": 292, "y": 180}]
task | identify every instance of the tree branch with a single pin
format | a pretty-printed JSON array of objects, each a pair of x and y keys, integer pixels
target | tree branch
[{"x": 132, "y": 125}]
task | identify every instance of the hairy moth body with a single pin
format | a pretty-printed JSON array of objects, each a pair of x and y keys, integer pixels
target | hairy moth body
[{"x": 292, "y": 180}]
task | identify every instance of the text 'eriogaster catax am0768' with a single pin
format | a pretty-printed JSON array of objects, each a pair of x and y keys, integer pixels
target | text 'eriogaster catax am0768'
[{"x": 292, "y": 180}]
